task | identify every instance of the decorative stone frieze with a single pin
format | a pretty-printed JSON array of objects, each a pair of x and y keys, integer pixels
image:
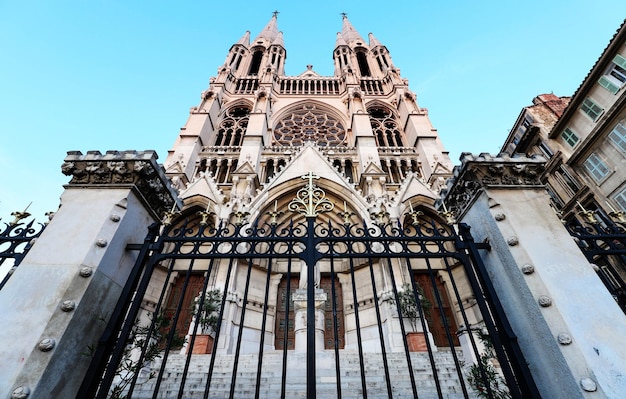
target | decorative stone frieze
[
  {"x": 114, "y": 168},
  {"x": 487, "y": 171}
]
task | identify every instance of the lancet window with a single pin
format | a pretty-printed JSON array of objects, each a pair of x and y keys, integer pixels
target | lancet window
[
  {"x": 363, "y": 65},
  {"x": 256, "y": 62},
  {"x": 308, "y": 123},
  {"x": 233, "y": 126},
  {"x": 345, "y": 166},
  {"x": 272, "y": 167},
  {"x": 385, "y": 128}
]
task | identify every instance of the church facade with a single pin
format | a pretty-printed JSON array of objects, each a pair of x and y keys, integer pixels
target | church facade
[{"x": 307, "y": 236}]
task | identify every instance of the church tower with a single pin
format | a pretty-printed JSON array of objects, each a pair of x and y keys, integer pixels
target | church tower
[
  {"x": 256, "y": 128},
  {"x": 296, "y": 246}
]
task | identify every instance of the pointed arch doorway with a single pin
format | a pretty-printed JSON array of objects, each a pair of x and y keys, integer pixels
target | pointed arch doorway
[{"x": 285, "y": 314}]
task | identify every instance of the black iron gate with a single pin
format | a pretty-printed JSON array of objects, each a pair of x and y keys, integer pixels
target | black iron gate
[
  {"x": 143, "y": 355},
  {"x": 603, "y": 242},
  {"x": 16, "y": 239}
]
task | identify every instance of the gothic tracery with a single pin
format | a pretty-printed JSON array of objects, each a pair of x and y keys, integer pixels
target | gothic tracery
[
  {"x": 233, "y": 126},
  {"x": 308, "y": 123},
  {"x": 385, "y": 128}
]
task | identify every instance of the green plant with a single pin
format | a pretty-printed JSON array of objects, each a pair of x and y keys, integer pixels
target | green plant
[
  {"x": 209, "y": 313},
  {"x": 408, "y": 303},
  {"x": 129, "y": 365},
  {"x": 488, "y": 379}
]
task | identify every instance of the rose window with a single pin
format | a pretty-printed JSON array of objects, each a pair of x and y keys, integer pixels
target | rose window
[{"x": 307, "y": 123}]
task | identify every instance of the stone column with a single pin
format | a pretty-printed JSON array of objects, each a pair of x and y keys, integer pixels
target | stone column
[
  {"x": 570, "y": 329},
  {"x": 58, "y": 301},
  {"x": 300, "y": 322}
]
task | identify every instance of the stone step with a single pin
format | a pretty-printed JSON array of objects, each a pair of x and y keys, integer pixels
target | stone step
[{"x": 295, "y": 385}]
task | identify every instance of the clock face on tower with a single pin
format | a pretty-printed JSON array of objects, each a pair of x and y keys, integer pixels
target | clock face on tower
[{"x": 308, "y": 123}]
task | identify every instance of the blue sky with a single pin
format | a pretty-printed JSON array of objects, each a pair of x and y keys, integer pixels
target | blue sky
[{"x": 118, "y": 75}]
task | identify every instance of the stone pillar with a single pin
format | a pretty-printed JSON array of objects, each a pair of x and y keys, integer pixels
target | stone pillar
[
  {"x": 58, "y": 301},
  {"x": 570, "y": 329},
  {"x": 300, "y": 322}
]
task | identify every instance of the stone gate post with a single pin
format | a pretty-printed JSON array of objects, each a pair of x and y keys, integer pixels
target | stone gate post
[
  {"x": 55, "y": 306},
  {"x": 570, "y": 329}
]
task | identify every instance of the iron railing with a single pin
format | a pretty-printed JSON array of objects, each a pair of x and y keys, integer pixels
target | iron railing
[
  {"x": 368, "y": 261},
  {"x": 16, "y": 238},
  {"x": 603, "y": 242}
]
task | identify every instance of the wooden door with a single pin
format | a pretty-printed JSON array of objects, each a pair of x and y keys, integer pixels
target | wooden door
[
  {"x": 325, "y": 284},
  {"x": 329, "y": 343},
  {"x": 196, "y": 282},
  {"x": 281, "y": 311},
  {"x": 435, "y": 318}
]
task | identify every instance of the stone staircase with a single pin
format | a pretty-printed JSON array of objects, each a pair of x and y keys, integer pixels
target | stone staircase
[{"x": 270, "y": 386}]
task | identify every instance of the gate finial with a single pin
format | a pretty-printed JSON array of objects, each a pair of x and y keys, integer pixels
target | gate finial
[{"x": 310, "y": 200}]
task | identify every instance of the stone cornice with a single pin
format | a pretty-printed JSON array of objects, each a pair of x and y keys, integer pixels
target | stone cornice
[
  {"x": 477, "y": 173},
  {"x": 136, "y": 169}
]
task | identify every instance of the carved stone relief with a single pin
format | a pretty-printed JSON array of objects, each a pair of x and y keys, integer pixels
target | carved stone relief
[
  {"x": 122, "y": 168},
  {"x": 477, "y": 173}
]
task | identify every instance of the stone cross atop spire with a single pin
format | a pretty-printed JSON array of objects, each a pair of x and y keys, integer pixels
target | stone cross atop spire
[
  {"x": 348, "y": 32},
  {"x": 270, "y": 31}
]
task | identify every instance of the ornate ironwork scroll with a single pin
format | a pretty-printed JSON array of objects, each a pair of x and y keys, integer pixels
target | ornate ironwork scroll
[{"x": 311, "y": 200}]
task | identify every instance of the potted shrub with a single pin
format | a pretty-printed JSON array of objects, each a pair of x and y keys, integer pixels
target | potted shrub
[
  {"x": 207, "y": 319},
  {"x": 410, "y": 311}
]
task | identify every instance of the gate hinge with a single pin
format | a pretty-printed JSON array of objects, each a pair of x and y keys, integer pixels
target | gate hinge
[
  {"x": 152, "y": 246},
  {"x": 484, "y": 245}
]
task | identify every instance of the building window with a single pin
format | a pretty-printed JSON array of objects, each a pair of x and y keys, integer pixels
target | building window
[
  {"x": 309, "y": 123},
  {"x": 546, "y": 150},
  {"x": 615, "y": 76},
  {"x": 256, "y": 62},
  {"x": 233, "y": 126},
  {"x": 618, "y": 137},
  {"x": 363, "y": 66},
  {"x": 596, "y": 167},
  {"x": 557, "y": 203},
  {"x": 592, "y": 109},
  {"x": 386, "y": 130},
  {"x": 569, "y": 137},
  {"x": 620, "y": 198}
]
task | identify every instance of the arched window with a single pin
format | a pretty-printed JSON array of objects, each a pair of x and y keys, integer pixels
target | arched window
[
  {"x": 363, "y": 66},
  {"x": 385, "y": 128},
  {"x": 308, "y": 123},
  {"x": 256, "y": 62},
  {"x": 233, "y": 126}
]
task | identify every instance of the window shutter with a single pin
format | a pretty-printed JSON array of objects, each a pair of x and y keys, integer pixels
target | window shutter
[
  {"x": 607, "y": 84},
  {"x": 619, "y": 60}
]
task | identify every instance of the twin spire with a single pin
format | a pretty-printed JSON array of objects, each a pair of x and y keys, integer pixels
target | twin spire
[{"x": 348, "y": 35}]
